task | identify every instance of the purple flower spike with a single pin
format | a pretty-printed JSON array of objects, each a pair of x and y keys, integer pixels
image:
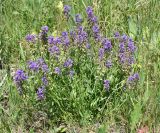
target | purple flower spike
[
  {"x": 45, "y": 68},
  {"x": 44, "y": 29},
  {"x": 108, "y": 63},
  {"x": 78, "y": 18},
  {"x": 66, "y": 41},
  {"x": 20, "y": 76},
  {"x": 106, "y": 44},
  {"x": 33, "y": 65},
  {"x": 131, "y": 60},
  {"x": 124, "y": 37},
  {"x": 94, "y": 19},
  {"x": 54, "y": 40},
  {"x": 116, "y": 34},
  {"x": 64, "y": 33},
  {"x": 101, "y": 53},
  {"x": 66, "y": 9},
  {"x": 51, "y": 40},
  {"x": 133, "y": 78},
  {"x": 40, "y": 93},
  {"x": 122, "y": 47},
  {"x": 31, "y": 38},
  {"x": 45, "y": 81},
  {"x": 68, "y": 63},
  {"x": 89, "y": 11},
  {"x": 54, "y": 50},
  {"x": 131, "y": 46},
  {"x": 130, "y": 78},
  {"x": 106, "y": 84},
  {"x": 40, "y": 61},
  {"x": 57, "y": 70},
  {"x": 95, "y": 28},
  {"x": 136, "y": 76},
  {"x": 122, "y": 57},
  {"x": 96, "y": 32}
]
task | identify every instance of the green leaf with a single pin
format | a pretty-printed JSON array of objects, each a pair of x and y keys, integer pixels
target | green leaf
[{"x": 136, "y": 114}]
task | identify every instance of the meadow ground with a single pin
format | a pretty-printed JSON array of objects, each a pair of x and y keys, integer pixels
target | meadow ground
[{"x": 81, "y": 104}]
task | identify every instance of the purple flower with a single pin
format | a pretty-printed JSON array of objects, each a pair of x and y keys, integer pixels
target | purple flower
[
  {"x": 131, "y": 46},
  {"x": 106, "y": 84},
  {"x": 101, "y": 53},
  {"x": 54, "y": 40},
  {"x": 95, "y": 28},
  {"x": 131, "y": 60},
  {"x": 122, "y": 47},
  {"x": 20, "y": 76},
  {"x": 57, "y": 70},
  {"x": 124, "y": 37},
  {"x": 44, "y": 29},
  {"x": 89, "y": 11},
  {"x": 80, "y": 39},
  {"x": 58, "y": 40},
  {"x": 31, "y": 38},
  {"x": 108, "y": 63},
  {"x": 33, "y": 65},
  {"x": 94, "y": 19},
  {"x": 136, "y": 76},
  {"x": 51, "y": 40},
  {"x": 122, "y": 57},
  {"x": 54, "y": 50},
  {"x": 43, "y": 35},
  {"x": 36, "y": 65},
  {"x": 66, "y": 10},
  {"x": 133, "y": 78},
  {"x": 68, "y": 63},
  {"x": 40, "y": 61},
  {"x": 96, "y": 33},
  {"x": 45, "y": 81},
  {"x": 78, "y": 18},
  {"x": 66, "y": 41},
  {"x": 40, "y": 93},
  {"x": 116, "y": 34},
  {"x": 82, "y": 35},
  {"x": 106, "y": 44},
  {"x": 64, "y": 33},
  {"x": 45, "y": 68}
]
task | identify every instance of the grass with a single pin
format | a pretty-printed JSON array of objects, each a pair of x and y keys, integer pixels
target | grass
[{"x": 125, "y": 112}]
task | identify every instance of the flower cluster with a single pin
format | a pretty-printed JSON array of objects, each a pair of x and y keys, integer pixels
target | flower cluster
[
  {"x": 91, "y": 17},
  {"x": 31, "y": 38},
  {"x": 68, "y": 63},
  {"x": 43, "y": 34},
  {"x": 126, "y": 51},
  {"x": 133, "y": 78},
  {"x": 93, "y": 22},
  {"x": 19, "y": 77},
  {"x": 78, "y": 18},
  {"x": 40, "y": 93},
  {"x": 76, "y": 44},
  {"x": 106, "y": 84},
  {"x": 66, "y": 10},
  {"x": 37, "y": 65}
]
